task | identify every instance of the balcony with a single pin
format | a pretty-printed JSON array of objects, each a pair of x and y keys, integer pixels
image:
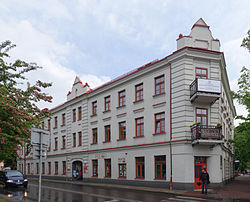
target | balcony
[
  {"x": 205, "y": 91},
  {"x": 206, "y": 135}
]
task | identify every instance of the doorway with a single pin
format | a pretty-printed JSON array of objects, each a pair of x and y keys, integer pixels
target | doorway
[
  {"x": 77, "y": 170},
  {"x": 199, "y": 164}
]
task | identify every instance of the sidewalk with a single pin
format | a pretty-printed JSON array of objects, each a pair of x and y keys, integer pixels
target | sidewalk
[{"x": 237, "y": 189}]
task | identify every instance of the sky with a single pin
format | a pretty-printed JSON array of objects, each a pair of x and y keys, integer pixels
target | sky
[{"x": 99, "y": 40}]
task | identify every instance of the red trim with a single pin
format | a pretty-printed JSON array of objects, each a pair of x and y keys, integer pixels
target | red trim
[
  {"x": 160, "y": 178},
  {"x": 138, "y": 136},
  {"x": 122, "y": 147},
  {"x": 201, "y": 68},
  {"x": 163, "y": 133},
  {"x": 135, "y": 110},
  {"x": 158, "y": 104}
]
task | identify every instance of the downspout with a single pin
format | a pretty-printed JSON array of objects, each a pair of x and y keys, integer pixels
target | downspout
[{"x": 170, "y": 145}]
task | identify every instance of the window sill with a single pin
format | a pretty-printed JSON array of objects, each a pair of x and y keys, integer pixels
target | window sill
[
  {"x": 120, "y": 107},
  {"x": 64, "y": 174},
  {"x": 95, "y": 176},
  {"x": 79, "y": 119},
  {"x": 56, "y": 174},
  {"x": 106, "y": 141},
  {"x": 156, "y": 95},
  {"x": 138, "y": 101},
  {"x": 120, "y": 139},
  {"x": 139, "y": 178},
  {"x": 54, "y": 128},
  {"x": 107, "y": 177},
  {"x": 79, "y": 145},
  {"x": 93, "y": 115},
  {"x": 73, "y": 121},
  {"x": 106, "y": 111},
  {"x": 122, "y": 177},
  {"x": 93, "y": 143},
  {"x": 55, "y": 149},
  {"x": 63, "y": 148},
  {"x": 162, "y": 133},
  {"x": 63, "y": 125},
  {"x": 160, "y": 178},
  {"x": 138, "y": 136}
]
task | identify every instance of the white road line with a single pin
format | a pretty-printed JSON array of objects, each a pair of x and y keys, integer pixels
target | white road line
[
  {"x": 189, "y": 197},
  {"x": 88, "y": 194},
  {"x": 177, "y": 199}
]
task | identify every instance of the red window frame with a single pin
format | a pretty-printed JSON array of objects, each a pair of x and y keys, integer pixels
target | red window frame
[
  {"x": 107, "y": 103},
  {"x": 160, "y": 163},
  {"x": 49, "y": 125},
  {"x": 79, "y": 113},
  {"x": 74, "y": 115},
  {"x": 56, "y": 143},
  {"x": 201, "y": 73},
  {"x": 94, "y": 136},
  {"x": 79, "y": 139},
  {"x": 95, "y": 168},
  {"x": 107, "y": 133},
  {"x": 55, "y": 122},
  {"x": 122, "y": 130},
  {"x": 56, "y": 168},
  {"x": 64, "y": 167},
  {"x": 107, "y": 168},
  {"x": 159, "y": 85},
  {"x": 160, "y": 123},
  {"x": 139, "y": 127},
  {"x": 122, "y": 170},
  {"x": 94, "y": 108},
  {"x": 201, "y": 113},
  {"x": 122, "y": 98},
  {"x": 63, "y": 142},
  {"x": 63, "y": 119},
  {"x": 140, "y": 167},
  {"x": 49, "y": 168},
  {"x": 37, "y": 168},
  {"x": 43, "y": 168},
  {"x": 139, "y": 92},
  {"x": 74, "y": 140}
]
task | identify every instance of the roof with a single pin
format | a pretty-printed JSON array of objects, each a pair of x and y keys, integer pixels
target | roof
[{"x": 200, "y": 23}]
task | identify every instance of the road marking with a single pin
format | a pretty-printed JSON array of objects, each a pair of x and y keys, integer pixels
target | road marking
[
  {"x": 88, "y": 194},
  {"x": 189, "y": 197}
]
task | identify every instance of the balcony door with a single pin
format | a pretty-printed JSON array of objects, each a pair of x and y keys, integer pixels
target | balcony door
[
  {"x": 199, "y": 164},
  {"x": 202, "y": 116}
]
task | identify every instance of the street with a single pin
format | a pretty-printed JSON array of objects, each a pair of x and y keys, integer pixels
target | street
[{"x": 66, "y": 192}]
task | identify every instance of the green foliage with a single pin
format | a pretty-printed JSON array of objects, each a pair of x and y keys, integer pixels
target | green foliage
[
  {"x": 18, "y": 110},
  {"x": 246, "y": 41},
  {"x": 242, "y": 145}
]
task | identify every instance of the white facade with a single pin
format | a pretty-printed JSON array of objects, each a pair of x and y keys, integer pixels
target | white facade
[{"x": 169, "y": 139}]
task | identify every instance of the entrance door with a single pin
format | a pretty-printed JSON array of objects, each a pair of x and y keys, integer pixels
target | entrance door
[
  {"x": 77, "y": 170},
  {"x": 199, "y": 164}
]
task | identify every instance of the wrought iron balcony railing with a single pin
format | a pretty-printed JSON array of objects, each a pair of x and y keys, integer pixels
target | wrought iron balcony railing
[{"x": 204, "y": 132}]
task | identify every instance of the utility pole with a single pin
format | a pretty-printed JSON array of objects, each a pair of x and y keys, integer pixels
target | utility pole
[{"x": 40, "y": 166}]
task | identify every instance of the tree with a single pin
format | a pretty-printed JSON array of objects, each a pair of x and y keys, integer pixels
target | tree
[
  {"x": 242, "y": 132},
  {"x": 18, "y": 109}
]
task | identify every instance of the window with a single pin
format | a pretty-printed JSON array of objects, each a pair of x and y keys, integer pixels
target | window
[
  {"x": 49, "y": 168},
  {"x": 56, "y": 168},
  {"x": 63, "y": 119},
  {"x": 55, "y": 119},
  {"x": 79, "y": 139},
  {"x": 63, "y": 142},
  {"x": 49, "y": 126},
  {"x": 122, "y": 130},
  {"x": 74, "y": 140},
  {"x": 43, "y": 168},
  {"x": 49, "y": 146},
  {"x": 56, "y": 143},
  {"x": 201, "y": 73},
  {"x": 159, "y": 85},
  {"x": 202, "y": 116},
  {"x": 139, "y": 92},
  {"x": 107, "y": 133},
  {"x": 74, "y": 115},
  {"x": 140, "y": 167},
  {"x": 107, "y": 103},
  {"x": 122, "y": 170},
  {"x": 122, "y": 98},
  {"x": 160, "y": 123},
  {"x": 160, "y": 167},
  {"x": 108, "y": 168},
  {"x": 79, "y": 113},
  {"x": 94, "y": 134},
  {"x": 94, "y": 108},
  {"x": 28, "y": 168},
  {"x": 139, "y": 127},
  {"x": 37, "y": 168},
  {"x": 95, "y": 168},
  {"x": 64, "y": 167}
]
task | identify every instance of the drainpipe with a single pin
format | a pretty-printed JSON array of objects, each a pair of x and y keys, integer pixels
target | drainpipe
[{"x": 170, "y": 146}]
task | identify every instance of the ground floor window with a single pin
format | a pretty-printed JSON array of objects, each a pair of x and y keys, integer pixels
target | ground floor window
[
  {"x": 160, "y": 167},
  {"x": 140, "y": 167},
  {"x": 56, "y": 168},
  {"x": 64, "y": 167},
  {"x": 107, "y": 167},
  {"x": 43, "y": 168},
  {"x": 28, "y": 168},
  {"x": 122, "y": 170},
  {"x": 95, "y": 168},
  {"x": 37, "y": 168},
  {"x": 49, "y": 168}
]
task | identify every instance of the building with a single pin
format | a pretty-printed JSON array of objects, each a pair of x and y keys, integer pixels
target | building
[{"x": 157, "y": 125}]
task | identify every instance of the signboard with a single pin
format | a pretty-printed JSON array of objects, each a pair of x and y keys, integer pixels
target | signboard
[
  {"x": 210, "y": 133},
  {"x": 35, "y": 135},
  {"x": 210, "y": 86}
]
